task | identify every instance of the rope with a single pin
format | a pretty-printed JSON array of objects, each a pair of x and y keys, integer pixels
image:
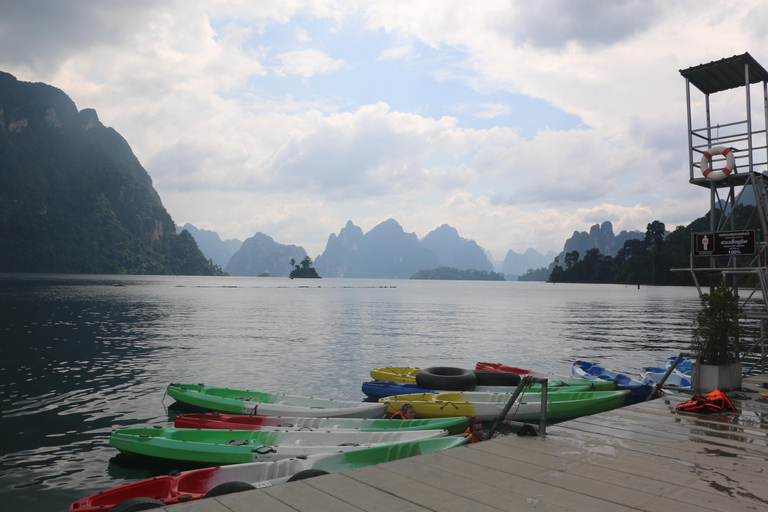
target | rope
[
  {"x": 519, "y": 402},
  {"x": 162, "y": 402}
]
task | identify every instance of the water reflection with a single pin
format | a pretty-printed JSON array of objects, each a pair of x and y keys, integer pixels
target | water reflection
[{"x": 83, "y": 355}]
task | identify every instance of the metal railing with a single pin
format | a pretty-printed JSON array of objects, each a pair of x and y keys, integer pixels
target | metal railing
[{"x": 524, "y": 381}]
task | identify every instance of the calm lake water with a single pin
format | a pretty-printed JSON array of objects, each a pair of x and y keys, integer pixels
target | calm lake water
[{"x": 83, "y": 355}]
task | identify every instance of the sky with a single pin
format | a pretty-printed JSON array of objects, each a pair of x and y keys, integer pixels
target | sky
[{"x": 515, "y": 122}]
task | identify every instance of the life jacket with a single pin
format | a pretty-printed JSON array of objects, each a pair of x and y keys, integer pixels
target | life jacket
[
  {"x": 716, "y": 401},
  {"x": 397, "y": 416},
  {"x": 472, "y": 439}
]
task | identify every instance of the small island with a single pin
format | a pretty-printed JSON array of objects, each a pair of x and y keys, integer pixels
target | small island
[
  {"x": 303, "y": 270},
  {"x": 454, "y": 274}
]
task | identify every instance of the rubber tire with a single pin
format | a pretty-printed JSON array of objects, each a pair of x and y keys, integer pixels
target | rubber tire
[
  {"x": 446, "y": 378},
  {"x": 136, "y": 504},
  {"x": 307, "y": 473},
  {"x": 228, "y": 488},
  {"x": 491, "y": 378}
]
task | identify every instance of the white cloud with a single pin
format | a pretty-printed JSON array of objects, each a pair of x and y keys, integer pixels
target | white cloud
[
  {"x": 307, "y": 63},
  {"x": 491, "y": 110},
  {"x": 231, "y": 123}
]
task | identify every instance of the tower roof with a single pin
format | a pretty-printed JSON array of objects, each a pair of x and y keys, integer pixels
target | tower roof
[{"x": 725, "y": 74}]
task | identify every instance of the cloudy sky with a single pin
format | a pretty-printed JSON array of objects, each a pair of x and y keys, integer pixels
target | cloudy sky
[{"x": 516, "y": 122}]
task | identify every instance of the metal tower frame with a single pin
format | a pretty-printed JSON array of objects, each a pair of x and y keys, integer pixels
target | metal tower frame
[{"x": 748, "y": 182}]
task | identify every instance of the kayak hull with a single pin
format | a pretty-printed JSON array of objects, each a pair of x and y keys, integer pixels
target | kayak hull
[
  {"x": 195, "y": 484},
  {"x": 243, "y": 422},
  {"x": 638, "y": 391},
  {"x": 240, "y": 401},
  {"x": 216, "y": 446},
  {"x": 379, "y": 389},
  {"x": 575, "y": 380},
  {"x": 489, "y": 406}
]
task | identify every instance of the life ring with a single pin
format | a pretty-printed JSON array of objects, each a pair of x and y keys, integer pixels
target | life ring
[
  {"x": 446, "y": 378},
  {"x": 706, "y": 160},
  {"x": 492, "y": 378}
]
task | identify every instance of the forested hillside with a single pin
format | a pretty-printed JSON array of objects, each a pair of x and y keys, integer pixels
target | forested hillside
[
  {"x": 646, "y": 261},
  {"x": 74, "y": 198}
]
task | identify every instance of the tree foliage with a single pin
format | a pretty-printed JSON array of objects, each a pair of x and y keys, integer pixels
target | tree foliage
[
  {"x": 716, "y": 328},
  {"x": 304, "y": 269},
  {"x": 455, "y": 274},
  {"x": 647, "y": 261}
]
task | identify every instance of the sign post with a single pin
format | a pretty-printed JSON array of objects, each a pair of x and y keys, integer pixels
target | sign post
[{"x": 724, "y": 243}]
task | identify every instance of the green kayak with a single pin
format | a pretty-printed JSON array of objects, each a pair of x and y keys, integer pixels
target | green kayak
[
  {"x": 238, "y": 446},
  {"x": 244, "y": 401}
]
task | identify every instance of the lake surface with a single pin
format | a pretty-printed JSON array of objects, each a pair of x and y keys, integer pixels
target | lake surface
[{"x": 83, "y": 355}]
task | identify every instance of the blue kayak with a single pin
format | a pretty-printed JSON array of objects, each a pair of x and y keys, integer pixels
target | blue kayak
[
  {"x": 381, "y": 388},
  {"x": 377, "y": 389},
  {"x": 653, "y": 374},
  {"x": 638, "y": 391},
  {"x": 683, "y": 367}
]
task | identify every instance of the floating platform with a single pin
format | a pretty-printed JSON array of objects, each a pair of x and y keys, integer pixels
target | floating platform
[{"x": 642, "y": 457}]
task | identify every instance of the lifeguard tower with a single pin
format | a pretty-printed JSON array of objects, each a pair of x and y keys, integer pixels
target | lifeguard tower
[{"x": 728, "y": 155}]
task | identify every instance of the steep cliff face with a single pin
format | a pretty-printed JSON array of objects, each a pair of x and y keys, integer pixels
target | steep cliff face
[
  {"x": 455, "y": 251},
  {"x": 385, "y": 252},
  {"x": 261, "y": 253},
  {"x": 341, "y": 257},
  {"x": 74, "y": 197}
]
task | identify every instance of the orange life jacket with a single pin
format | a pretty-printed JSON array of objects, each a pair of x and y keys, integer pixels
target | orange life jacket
[
  {"x": 473, "y": 439},
  {"x": 397, "y": 416},
  {"x": 716, "y": 401}
]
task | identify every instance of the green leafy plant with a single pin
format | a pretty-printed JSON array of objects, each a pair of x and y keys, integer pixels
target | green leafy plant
[{"x": 716, "y": 328}]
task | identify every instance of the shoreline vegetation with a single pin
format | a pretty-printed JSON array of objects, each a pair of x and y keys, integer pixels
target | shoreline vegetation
[
  {"x": 454, "y": 274},
  {"x": 304, "y": 269}
]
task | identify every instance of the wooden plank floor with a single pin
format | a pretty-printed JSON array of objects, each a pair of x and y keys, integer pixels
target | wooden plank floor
[{"x": 644, "y": 457}]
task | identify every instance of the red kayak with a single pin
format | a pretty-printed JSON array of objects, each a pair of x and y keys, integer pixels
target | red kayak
[
  {"x": 244, "y": 422},
  {"x": 166, "y": 489},
  {"x": 498, "y": 367}
]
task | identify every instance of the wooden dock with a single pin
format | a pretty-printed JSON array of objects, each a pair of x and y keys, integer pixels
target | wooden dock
[{"x": 644, "y": 457}]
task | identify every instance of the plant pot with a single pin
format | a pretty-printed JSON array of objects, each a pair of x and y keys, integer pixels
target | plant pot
[{"x": 706, "y": 378}]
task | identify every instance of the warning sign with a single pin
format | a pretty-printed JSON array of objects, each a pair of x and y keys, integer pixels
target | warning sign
[{"x": 724, "y": 243}]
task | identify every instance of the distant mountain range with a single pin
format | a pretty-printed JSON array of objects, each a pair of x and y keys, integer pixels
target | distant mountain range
[
  {"x": 212, "y": 246},
  {"x": 600, "y": 237},
  {"x": 388, "y": 252},
  {"x": 385, "y": 252}
]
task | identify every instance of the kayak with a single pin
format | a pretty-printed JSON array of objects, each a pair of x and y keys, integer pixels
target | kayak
[
  {"x": 395, "y": 374},
  {"x": 378, "y": 389},
  {"x": 217, "y": 481},
  {"x": 498, "y": 367},
  {"x": 488, "y": 406},
  {"x": 652, "y": 375},
  {"x": 239, "y": 401},
  {"x": 599, "y": 385},
  {"x": 638, "y": 391},
  {"x": 407, "y": 375},
  {"x": 216, "y": 446},
  {"x": 684, "y": 367},
  {"x": 216, "y": 420}
]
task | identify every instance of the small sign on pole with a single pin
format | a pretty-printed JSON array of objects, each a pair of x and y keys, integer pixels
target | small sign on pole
[{"x": 724, "y": 243}]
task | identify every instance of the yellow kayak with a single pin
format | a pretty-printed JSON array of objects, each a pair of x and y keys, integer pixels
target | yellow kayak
[
  {"x": 488, "y": 406},
  {"x": 395, "y": 374}
]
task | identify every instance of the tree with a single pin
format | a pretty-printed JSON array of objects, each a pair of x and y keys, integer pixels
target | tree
[
  {"x": 716, "y": 329},
  {"x": 306, "y": 262},
  {"x": 571, "y": 259}
]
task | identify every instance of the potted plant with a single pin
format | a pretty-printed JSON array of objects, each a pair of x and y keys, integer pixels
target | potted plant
[{"x": 716, "y": 333}]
